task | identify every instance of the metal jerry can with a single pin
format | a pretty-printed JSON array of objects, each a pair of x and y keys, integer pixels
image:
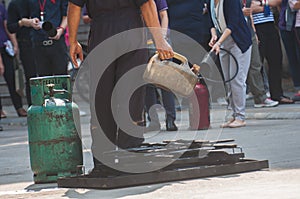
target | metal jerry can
[
  {"x": 53, "y": 129},
  {"x": 199, "y": 115}
]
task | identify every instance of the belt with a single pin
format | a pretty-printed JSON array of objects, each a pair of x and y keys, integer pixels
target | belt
[{"x": 49, "y": 42}]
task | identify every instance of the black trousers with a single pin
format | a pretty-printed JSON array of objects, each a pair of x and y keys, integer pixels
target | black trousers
[
  {"x": 9, "y": 76},
  {"x": 270, "y": 48},
  {"x": 103, "y": 101},
  {"x": 51, "y": 59},
  {"x": 29, "y": 65}
]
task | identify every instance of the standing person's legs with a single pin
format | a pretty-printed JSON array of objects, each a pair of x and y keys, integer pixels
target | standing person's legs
[
  {"x": 103, "y": 105},
  {"x": 260, "y": 31},
  {"x": 150, "y": 102},
  {"x": 9, "y": 76},
  {"x": 103, "y": 110},
  {"x": 169, "y": 105},
  {"x": 274, "y": 58},
  {"x": 227, "y": 71},
  {"x": 125, "y": 63},
  {"x": 292, "y": 52},
  {"x": 28, "y": 62},
  {"x": 265, "y": 78},
  {"x": 270, "y": 48},
  {"x": 59, "y": 57},
  {"x": 255, "y": 80},
  {"x": 2, "y": 114},
  {"x": 238, "y": 84},
  {"x": 43, "y": 63},
  {"x": 1, "y": 128}
]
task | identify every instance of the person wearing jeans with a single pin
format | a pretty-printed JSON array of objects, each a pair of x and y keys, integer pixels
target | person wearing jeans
[{"x": 151, "y": 90}]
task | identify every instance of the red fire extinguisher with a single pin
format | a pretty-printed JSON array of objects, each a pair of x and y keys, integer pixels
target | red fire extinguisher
[{"x": 199, "y": 115}]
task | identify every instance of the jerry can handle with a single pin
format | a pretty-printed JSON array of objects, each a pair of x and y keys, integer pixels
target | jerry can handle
[
  {"x": 155, "y": 58},
  {"x": 181, "y": 58}
]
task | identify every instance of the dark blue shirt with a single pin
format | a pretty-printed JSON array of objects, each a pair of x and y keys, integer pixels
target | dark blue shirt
[
  {"x": 187, "y": 16},
  {"x": 17, "y": 9},
  {"x": 3, "y": 17},
  {"x": 54, "y": 12},
  {"x": 108, "y": 4}
]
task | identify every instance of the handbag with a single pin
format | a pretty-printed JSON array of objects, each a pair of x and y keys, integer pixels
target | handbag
[
  {"x": 19, "y": 77},
  {"x": 169, "y": 75}
]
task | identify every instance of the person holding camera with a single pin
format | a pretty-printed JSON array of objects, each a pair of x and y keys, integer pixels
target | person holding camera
[
  {"x": 18, "y": 22},
  {"x": 47, "y": 35}
]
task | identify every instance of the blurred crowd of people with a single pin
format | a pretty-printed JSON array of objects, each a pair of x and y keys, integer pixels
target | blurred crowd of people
[{"x": 245, "y": 28}]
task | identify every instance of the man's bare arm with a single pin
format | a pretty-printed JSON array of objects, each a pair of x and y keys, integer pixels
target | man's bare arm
[
  {"x": 150, "y": 15},
  {"x": 74, "y": 14}
]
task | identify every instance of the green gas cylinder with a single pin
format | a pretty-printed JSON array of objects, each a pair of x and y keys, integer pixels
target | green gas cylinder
[{"x": 53, "y": 129}]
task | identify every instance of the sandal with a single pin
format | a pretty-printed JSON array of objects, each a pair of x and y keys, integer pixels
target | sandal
[
  {"x": 285, "y": 100},
  {"x": 226, "y": 124},
  {"x": 237, "y": 123}
]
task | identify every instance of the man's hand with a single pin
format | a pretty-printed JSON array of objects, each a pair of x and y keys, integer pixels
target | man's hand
[
  {"x": 165, "y": 51},
  {"x": 149, "y": 12},
  {"x": 35, "y": 23},
  {"x": 60, "y": 32},
  {"x": 74, "y": 14},
  {"x": 76, "y": 52},
  {"x": 256, "y": 7}
]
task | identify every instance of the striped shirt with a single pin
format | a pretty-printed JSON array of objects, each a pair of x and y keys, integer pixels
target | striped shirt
[{"x": 259, "y": 18}]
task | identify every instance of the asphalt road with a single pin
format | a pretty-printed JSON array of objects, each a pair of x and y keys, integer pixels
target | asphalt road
[{"x": 276, "y": 140}]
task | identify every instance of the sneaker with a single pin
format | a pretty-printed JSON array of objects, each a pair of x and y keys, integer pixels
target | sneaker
[
  {"x": 267, "y": 103},
  {"x": 249, "y": 96},
  {"x": 171, "y": 126}
]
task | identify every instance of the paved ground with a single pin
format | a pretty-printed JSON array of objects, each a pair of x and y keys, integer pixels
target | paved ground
[{"x": 271, "y": 133}]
